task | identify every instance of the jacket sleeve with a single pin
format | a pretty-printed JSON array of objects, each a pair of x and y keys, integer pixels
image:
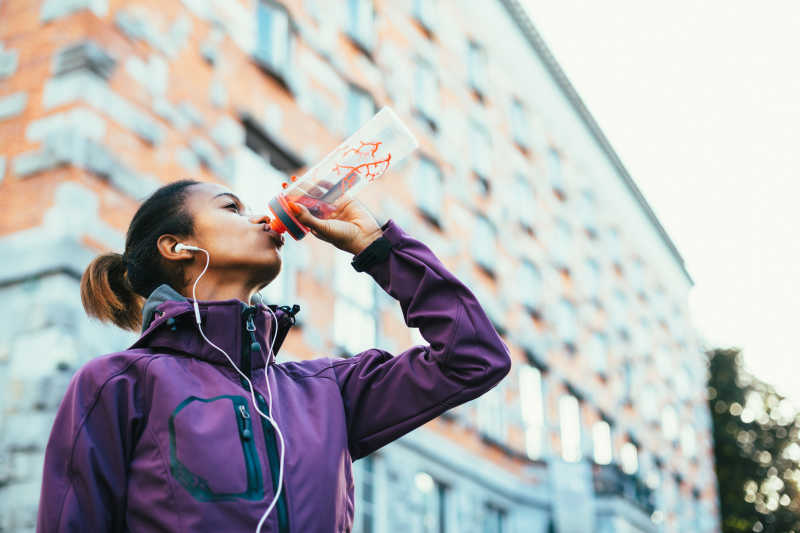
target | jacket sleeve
[
  {"x": 386, "y": 396},
  {"x": 85, "y": 482}
]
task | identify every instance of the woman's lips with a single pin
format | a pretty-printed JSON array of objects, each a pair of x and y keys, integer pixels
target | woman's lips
[{"x": 277, "y": 238}]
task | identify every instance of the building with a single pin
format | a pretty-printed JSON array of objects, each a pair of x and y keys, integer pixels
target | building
[{"x": 602, "y": 424}]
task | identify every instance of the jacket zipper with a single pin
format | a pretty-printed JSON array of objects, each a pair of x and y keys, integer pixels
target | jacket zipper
[
  {"x": 246, "y": 434},
  {"x": 248, "y": 334}
]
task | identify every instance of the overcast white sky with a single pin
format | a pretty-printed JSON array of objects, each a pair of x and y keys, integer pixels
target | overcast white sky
[{"x": 701, "y": 100}]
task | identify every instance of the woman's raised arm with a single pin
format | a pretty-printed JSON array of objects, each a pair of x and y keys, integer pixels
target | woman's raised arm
[{"x": 386, "y": 396}]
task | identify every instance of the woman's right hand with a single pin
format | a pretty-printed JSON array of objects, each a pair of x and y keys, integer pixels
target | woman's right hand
[{"x": 351, "y": 228}]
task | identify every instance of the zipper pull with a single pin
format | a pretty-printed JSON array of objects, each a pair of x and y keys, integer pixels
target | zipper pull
[{"x": 244, "y": 428}]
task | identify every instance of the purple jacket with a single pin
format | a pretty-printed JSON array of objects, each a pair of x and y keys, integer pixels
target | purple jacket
[{"x": 164, "y": 437}]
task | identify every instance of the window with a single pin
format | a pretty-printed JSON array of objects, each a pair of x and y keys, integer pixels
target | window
[
  {"x": 589, "y": 277},
  {"x": 682, "y": 381},
  {"x": 648, "y": 394},
  {"x": 566, "y": 322},
  {"x": 688, "y": 441},
  {"x": 569, "y": 414},
  {"x": 601, "y": 439},
  {"x": 519, "y": 124},
  {"x": 529, "y": 285},
  {"x": 360, "y": 108},
  {"x": 477, "y": 68},
  {"x": 271, "y": 149},
  {"x": 642, "y": 338},
  {"x": 587, "y": 210},
  {"x": 360, "y": 23},
  {"x": 614, "y": 245},
  {"x": 484, "y": 244},
  {"x": 492, "y": 413},
  {"x": 669, "y": 423},
  {"x": 619, "y": 309},
  {"x": 481, "y": 150},
  {"x": 597, "y": 352},
  {"x": 555, "y": 172},
  {"x": 425, "y": 11},
  {"x": 629, "y": 458},
  {"x": 494, "y": 519},
  {"x": 532, "y": 409},
  {"x": 523, "y": 201},
  {"x": 432, "y": 494},
  {"x": 627, "y": 380},
  {"x": 354, "y": 323},
  {"x": 426, "y": 88},
  {"x": 562, "y": 243},
  {"x": 272, "y": 39},
  {"x": 429, "y": 190},
  {"x": 636, "y": 275},
  {"x": 365, "y": 512}
]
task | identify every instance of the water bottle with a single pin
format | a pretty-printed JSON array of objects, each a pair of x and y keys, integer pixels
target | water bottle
[{"x": 361, "y": 159}]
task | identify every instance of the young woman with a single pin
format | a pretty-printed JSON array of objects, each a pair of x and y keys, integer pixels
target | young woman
[{"x": 168, "y": 435}]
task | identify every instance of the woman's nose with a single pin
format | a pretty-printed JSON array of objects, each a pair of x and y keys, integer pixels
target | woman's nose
[{"x": 260, "y": 219}]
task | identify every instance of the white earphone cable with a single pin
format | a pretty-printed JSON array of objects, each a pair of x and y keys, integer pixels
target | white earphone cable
[{"x": 250, "y": 383}]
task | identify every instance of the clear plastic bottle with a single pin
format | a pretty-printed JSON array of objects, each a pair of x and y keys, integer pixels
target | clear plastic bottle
[{"x": 361, "y": 159}]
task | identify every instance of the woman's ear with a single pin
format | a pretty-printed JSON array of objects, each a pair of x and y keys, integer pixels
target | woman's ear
[{"x": 166, "y": 247}]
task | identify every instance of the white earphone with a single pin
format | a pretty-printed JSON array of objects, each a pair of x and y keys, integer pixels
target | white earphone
[{"x": 180, "y": 246}]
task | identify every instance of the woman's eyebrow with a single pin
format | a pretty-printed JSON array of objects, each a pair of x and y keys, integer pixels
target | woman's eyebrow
[{"x": 233, "y": 196}]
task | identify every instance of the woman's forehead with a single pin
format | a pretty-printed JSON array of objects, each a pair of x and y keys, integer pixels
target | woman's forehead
[{"x": 210, "y": 190}]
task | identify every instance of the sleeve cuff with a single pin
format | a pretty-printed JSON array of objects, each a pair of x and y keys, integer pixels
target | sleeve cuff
[{"x": 377, "y": 252}]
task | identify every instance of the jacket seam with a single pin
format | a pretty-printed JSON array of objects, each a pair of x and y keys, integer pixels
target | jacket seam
[
  {"x": 70, "y": 471},
  {"x": 165, "y": 470}
]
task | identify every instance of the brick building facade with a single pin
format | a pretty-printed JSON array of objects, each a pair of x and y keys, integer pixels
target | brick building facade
[{"x": 602, "y": 424}]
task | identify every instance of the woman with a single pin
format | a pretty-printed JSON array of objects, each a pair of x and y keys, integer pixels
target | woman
[{"x": 166, "y": 435}]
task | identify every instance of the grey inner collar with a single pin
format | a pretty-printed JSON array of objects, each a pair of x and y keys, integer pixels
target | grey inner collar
[{"x": 163, "y": 293}]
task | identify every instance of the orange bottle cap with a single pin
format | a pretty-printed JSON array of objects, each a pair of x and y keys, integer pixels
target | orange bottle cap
[{"x": 276, "y": 225}]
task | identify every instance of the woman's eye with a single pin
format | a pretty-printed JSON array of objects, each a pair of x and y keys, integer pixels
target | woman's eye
[{"x": 234, "y": 206}]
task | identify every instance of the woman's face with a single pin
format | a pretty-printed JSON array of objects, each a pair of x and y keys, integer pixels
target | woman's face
[{"x": 239, "y": 243}]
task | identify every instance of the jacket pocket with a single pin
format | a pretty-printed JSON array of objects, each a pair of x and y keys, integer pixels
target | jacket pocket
[{"x": 212, "y": 450}]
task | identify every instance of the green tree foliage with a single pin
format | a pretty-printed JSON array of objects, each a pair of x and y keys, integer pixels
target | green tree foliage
[{"x": 756, "y": 449}]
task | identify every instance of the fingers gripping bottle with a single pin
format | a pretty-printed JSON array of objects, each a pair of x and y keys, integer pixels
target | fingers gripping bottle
[{"x": 363, "y": 158}]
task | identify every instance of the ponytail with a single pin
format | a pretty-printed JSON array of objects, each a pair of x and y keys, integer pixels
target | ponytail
[
  {"x": 114, "y": 287},
  {"x": 107, "y": 294}
]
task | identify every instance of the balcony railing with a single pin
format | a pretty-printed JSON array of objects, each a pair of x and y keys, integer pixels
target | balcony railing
[{"x": 610, "y": 480}]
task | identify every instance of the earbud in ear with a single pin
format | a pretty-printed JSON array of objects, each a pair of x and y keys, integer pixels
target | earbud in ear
[{"x": 180, "y": 246}]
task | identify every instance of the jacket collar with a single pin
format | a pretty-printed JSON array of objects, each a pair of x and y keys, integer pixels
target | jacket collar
[{"x": 169, "y": 323}]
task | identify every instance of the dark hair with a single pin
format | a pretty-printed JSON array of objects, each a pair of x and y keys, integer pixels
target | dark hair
[{"x": 114, "y": 286}]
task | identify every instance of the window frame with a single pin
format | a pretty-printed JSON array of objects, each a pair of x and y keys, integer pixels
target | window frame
[
  {"x": 266, "y": 58},
  {"x": 555, "y": 173},
  {"x": 486, "y": 260},
  {"x": 480, "y": 145},
  {"x": 425, "y": 187},
  {"x": 608, "y": 439},
  {"x": 426, "y": 15},
  {"x": 353, "y": 123},
  {"x": 532, "y": 410},
  {"x": 574, "y": 453},
  {"x": 426, "y": 92},
  {"x": 518, "y": 118},
  {"x": 360, "y": 34},
  {"x": 477, "y": 68}
]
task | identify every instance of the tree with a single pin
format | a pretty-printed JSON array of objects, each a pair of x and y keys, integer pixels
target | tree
[{"x": 756, "y": 449}]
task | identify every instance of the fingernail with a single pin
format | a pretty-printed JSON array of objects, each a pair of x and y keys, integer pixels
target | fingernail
[{"x": 295, "y": 208}]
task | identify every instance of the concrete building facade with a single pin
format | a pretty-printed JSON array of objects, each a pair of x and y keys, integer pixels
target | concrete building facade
[{"x": 602, "y": 424}]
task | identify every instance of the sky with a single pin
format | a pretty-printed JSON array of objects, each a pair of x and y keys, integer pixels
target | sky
[{"x": 701, "y": 100}]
